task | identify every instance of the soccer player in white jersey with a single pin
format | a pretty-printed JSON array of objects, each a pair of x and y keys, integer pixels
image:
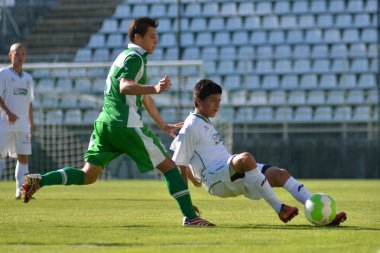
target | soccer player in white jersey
[
  {"x": 16, "y": 113},
  {"x": 199, "y": 149}
]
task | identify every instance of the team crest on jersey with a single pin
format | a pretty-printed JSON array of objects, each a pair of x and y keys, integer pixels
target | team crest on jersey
[
  {"x": 217, "y": 139},
  {"x": 20, "y": 91}
]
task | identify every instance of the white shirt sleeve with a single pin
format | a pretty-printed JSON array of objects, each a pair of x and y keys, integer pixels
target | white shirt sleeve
[{"x": 184, "y": 147}]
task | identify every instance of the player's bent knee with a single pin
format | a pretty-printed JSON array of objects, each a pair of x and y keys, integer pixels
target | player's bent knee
[
  {"x": 246, "y": 161},
  {"x": 91, "y": 173},
  {"x": 277, "y": 176}
]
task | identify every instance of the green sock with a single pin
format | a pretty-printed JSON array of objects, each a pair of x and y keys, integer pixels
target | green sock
[
  {"x": 65, "y": 176},
  {"x": 178, "y": 189}
]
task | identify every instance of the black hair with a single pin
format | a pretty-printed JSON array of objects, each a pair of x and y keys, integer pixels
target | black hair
[
  {"x": 205, "y": 88},
  {"x": 140, "y": 26}
]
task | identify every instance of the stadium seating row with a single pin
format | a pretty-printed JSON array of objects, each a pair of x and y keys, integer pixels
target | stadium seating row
[
  {"x": 299, "y": 97},
  {"x": 265, "y": 51},
  {"x": 306, "y": 114},
  {"x": 360, "y": 113},
  {"x": 69, "y": 117},
  {"x": 266, "y": 23},
  {"x": 308, "y": 36},
  {"x": 241, "y": 97},
  {"x": 233, "y": 81},
  {"x": 241, "y": 8},
  {"x": 68, "y": 85},
  {"x": 303, "y": 66}
]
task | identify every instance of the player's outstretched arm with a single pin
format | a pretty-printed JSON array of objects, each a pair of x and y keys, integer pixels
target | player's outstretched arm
[
  {"x": 130, "y": 87},
  {"x": 191, "y": 177},
  {"x": 152, "y": 110}
]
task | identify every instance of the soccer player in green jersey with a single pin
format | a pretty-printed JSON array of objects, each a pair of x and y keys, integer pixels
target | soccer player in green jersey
[{"x": 120, "y": 130}]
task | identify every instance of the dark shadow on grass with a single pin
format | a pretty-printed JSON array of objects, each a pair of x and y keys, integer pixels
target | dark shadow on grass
[
  {"x": 302, "y": 227},
  {"x": 107, "y": 199},
  {"x": 77, "y": 244},
  {"x": 99, "y": 227}
]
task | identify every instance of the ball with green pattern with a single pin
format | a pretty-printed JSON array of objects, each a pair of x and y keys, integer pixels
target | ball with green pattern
[{"x": 320, "y": 209}]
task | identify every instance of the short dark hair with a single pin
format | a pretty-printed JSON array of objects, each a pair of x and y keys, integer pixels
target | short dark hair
[
  {"x": 205, "y": 88},
  {"x": 140, "y": 26}
]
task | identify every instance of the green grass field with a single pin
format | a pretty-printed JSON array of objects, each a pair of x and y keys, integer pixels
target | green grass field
[{"x": 140, "y": 216}]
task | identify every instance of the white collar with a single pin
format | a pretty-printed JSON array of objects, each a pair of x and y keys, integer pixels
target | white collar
[{"x": 139, "y": 49}]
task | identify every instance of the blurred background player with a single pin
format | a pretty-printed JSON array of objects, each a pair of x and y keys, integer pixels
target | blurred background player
[
  {"x": 16, "y": 113},
  {"x": 200, "y": 147},
  {"x": 120, "y": 130}
]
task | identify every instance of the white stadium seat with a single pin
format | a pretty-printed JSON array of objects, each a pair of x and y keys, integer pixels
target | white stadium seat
[
  {"x": 335, "y": 97},
  {"x": 258, "y": 97},
  {"x": 277, "y": 97},
  {"x": 303, "y": 114},
  {"x": 296, "y": 97},
  {"x": 316, "y": 97},
  {"x": 264, "y": 114},
  {"x": 323, "y": 113},
  {"x": 283, "y": 66},
  {"x": 73, "y": 117},
  {"x": 283, "y": 114},
  {"x": 343, "y": 113},
  {"x": 246, "y": 9},
  {"x": 210, "y": 9},
  {"x": 228, "y": 9},
  {"x": 54, "y": 117},
  {"x": 109, "y": 26},
  {"x": 244, "y": 114},
  {"x": 362, "y": 113}
]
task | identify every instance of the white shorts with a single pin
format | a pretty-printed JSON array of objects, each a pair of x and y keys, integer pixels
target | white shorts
[
  {"x": 217, "y": 181},
  {"x": 15, "y": 143}
]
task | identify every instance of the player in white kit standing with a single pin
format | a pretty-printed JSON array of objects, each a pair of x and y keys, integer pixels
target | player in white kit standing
[{"x": 16, "y": 113}]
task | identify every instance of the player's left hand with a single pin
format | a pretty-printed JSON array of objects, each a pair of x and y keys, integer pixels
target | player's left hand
[{"x": 170, "y": 128}]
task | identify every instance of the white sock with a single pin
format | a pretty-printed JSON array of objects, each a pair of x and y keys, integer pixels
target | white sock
[
  {"x": 20, "y": 172},
  {"x": 256, "y": 181},
  {"x": 298, "y": 190}
]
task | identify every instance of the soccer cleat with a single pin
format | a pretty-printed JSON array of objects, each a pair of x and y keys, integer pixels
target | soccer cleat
[
  {"x": 30, "y": 186},
  {"x": 197, "y": 222},
  {"x": 287, "y": 213},
  {"x": 339, "y": 218}
]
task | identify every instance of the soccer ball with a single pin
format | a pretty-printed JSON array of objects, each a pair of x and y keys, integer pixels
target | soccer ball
[{"x": 320, "y": 209}]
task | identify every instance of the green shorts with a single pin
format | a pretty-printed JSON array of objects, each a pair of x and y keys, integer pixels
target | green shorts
[{"x": 140, "y": 144}]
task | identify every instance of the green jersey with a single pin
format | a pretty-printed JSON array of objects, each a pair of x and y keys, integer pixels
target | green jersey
[{"x": 120, "y": 109}]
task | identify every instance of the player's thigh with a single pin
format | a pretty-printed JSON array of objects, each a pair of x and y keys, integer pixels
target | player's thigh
[
  {"x": 6, "y": 142},
  {"x": 140, "y": 144},
  {"x": 23, "y": 143},
  {"x": 100, "y": 150},
  {"x": 218, "y": 183},
  {"x": 143, "y": 147}
]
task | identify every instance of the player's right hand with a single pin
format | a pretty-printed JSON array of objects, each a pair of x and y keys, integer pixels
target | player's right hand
[
  {"x": 12, "y": 118},
  {"x": 163, "y": 85}
]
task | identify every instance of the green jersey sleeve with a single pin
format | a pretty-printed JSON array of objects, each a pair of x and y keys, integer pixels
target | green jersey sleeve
[{"x": 132, "y": 68}]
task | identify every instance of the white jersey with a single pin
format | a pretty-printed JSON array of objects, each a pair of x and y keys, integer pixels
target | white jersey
[
  {"x": 199, "y": 146},
  {"x": 17, "y": 93}
]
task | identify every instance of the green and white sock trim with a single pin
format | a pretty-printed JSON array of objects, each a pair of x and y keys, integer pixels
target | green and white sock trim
[
  {"x": 64, "y": 176},
  {"x": 180, "y": 194}
]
